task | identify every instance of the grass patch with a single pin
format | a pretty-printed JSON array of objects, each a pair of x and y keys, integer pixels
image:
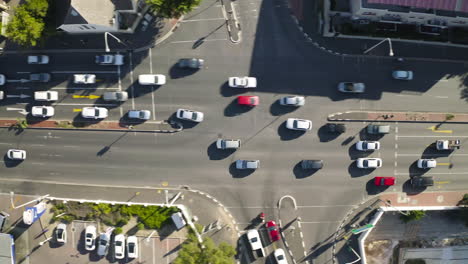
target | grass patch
[{"x": 64, "y": 124}]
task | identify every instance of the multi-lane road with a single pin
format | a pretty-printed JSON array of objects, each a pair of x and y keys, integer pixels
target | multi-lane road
[{"x": 284, "y": 64}]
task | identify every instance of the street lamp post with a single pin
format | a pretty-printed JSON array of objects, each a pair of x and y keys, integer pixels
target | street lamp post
[
  {"x": 390, "y": 53},
  {"x": 116, "y": 38}
]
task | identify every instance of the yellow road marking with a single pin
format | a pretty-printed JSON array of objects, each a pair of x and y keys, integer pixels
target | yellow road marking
[
  {"x": 275, "y": 246},
  {"x": 436, "y": 130},
  {"x": 92, "y": 96},
  {"x": 76, "y": 109},
  {"x": 442, "y": 182},
  {"x": 444, "y": 164},
  {"x": 165, "y": 184}
]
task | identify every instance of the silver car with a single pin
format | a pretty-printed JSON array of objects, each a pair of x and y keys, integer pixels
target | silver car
[
  {"x": 115, "y": 96},
  {"x": 351, "y": 87},
  {"x": 38, "y": 59},
  {"x": 103, "y": 244},
  {"x": 402, "y": 75},
  {"x": 228, "y": 143},
  {"x": 292, "y": 101},
  {"x": 298, "y": 124},
  {"x": 190, "y": 115},
  {"x": 427, "y": 163},
  {"x": 367, "y": 145},
  {"x": 139, "y": 114},
  {"x": 39, "y": 77},
  {"x": 247, "y": 164}
]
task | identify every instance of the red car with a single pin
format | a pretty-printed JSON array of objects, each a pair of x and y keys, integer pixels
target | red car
[
  {"x": 250, "y": 100},
  {"x": 273, "y": 231},
  {"x": 384, "y": 181}
]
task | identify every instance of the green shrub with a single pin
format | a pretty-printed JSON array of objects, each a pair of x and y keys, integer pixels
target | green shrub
[
  {"x": 413, "y": 216},
  {"x": 140, "y": 226},
  {"x": 118, "y": 230},
  {"x": 121, "y": 221},
  {"x": 67, "y": 218}
]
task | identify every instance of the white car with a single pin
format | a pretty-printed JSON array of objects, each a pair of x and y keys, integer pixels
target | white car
[
  {"x": 108, "y": 59},
  {"x": 2, "y": 95},
  {"x": 61, "y": 233},
  {"x": 298, "y": 124},
  {"x": 119, "y": 246},
  {"x": 2, "y": 79},
  {"x": 367, "y": 145},
  {"x": 84, "y": 78},
  {"x": 16, "y": 154},
  {"x": 115, "y": 96},
  {"x": 139, "y": 114},
  {"x": 151, "y": 79},
  {"x": 90, "y": 237},
  {"x": 292, "y": 100},
  {"x": 132, "y": 247},
  {"x": 369, "y": 163},
  {"x": 94, "y": 112},
  {"x": 351, "y": 87},
  {"x": 242, "y": 82},
  {"x": 190, "y": 115},
  {"x": 402, "y": 75},
  {"x": 254, "y": 239},
  {"x": 46, "y": 96},
  {"x": 38, "y": 59},
  {"x": 42, "y": 111},
  {"x": 280, "y": 257},
  {"x": 247, "y": 164},
  {"x": 103, "y": 244},
  {"x": 427, "y": 163},
  {"x": 228, "y": 143}
]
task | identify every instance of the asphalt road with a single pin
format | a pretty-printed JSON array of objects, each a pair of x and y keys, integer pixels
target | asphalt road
[{"x": 283, "y": 64}]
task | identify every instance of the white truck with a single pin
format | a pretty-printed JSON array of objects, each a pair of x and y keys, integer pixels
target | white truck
[
  {"x": 448, "y": 144},
  {"x": 255, "y": 243}
]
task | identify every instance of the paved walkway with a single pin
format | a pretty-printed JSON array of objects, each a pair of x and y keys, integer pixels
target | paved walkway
[
  {"x": 390, "y": 116},
  {"x": 446, "y": 199}
]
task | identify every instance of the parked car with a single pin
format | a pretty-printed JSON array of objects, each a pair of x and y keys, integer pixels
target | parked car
[
  {"x": 2, "y": 79},
  {"x": 94, "y": 112},
  {"x": 402, "y": 75},
  {"x": 336, "y": 128},
  {"x": 247, "y": 164},
  {"x": 103, "y": 244},
  {"x": 249, "y": 100},
  {"x": 311, "y": 164},
  {"x": 369, "y": 163},
  {"x": 39, "y": 77},
  {"x": 84, "y": 78},
  {"x": 298, "y": 124},
  {"x": 273, "y": 231},
  {"x": 151, "y": 79},
  {"x": 191, "y": 63},
  {"x": 280, "y": 257},
  {"x": 2, "y": 95},
  {"x": 292, "y": 100},
  {"x": 367, "y": 145},
  {"x": 228, "y": 143},
  {"x": 38, "y": 59},
  {"x": 119, "y": 246},
  {"x": 190, "y": 115},
  {"x": 16, "y": 154},
  {"x": 42, "y": 111},
  {"x": 108, "y": 59},
  {"x": 384, "y": 181},
  {"x": 115, "y": 96},
  {"x": 426, "y": 163},
  {"x": 132, "y": 247},
  {"x": 46, "y": 96},
  {"x": 351, "y": 87},
  {"x": 139, "y": 114},
  {"x": 378, "y": 129},
  {"x": 61, "y": 233},
  {"x": 422, "y": 181},
  {"x": 254, "y": 239},
  {"x": 242, "y": 82},
  {"x": 90, "y": 237}
]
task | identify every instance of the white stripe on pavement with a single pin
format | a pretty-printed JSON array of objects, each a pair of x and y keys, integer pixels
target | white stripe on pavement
[
  {"x": 206, "y": 19},
  {"x": 66, "y": 72},
  {"x": 84, "y": 88},
  {"x": 188, "y": 41}
]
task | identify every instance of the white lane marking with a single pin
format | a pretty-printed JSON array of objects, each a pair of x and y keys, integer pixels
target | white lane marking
[
  {"x": 85, "y": 104},
  {"x": 69, "y": 146},
  {"x": 431, "y": 154},
  {"x": 437, "y": 173},
  {"x": 37, "y": 163},
  {"x": 152, "y": 86},
  {"x": 320, "y": 222},
  {"x": 22, "y": 72},
  {"x": 84, "y": 72},
  {"x": 85, "y": 88},
  {"x": 205, "y": 19},
  {"x": 440, "y": 96},
  {"x": 439, "y": 136},
  {"x": 131, "y": 80},
  {"x": 8, "y": 144},
  {"x": 37, "y": 145},
  {"x": 323, "y": 206},
  {"x": 189, "y": 41}
]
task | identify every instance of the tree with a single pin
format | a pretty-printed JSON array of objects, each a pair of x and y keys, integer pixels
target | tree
[
  {"x": 413, "y": 216},
  {"x": 192, "y": 252},
  {"x": 173, "y": 8},
  {"x": 37, "y": 8}
]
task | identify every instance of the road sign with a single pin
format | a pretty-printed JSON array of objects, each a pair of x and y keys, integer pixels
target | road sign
[{"x": 361, "y": 229}]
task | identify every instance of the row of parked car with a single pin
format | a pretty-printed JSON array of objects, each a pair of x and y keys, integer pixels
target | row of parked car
[
  {"x": 357, "y": 87},
  {"x": 121, "y": 243},
  {"x": 256, "y": 244}
]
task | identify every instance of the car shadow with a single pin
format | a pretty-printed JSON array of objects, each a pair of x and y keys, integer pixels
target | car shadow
[
  {"x": 11, "y": 163},
  {"x": 326, "y": 136},
  {"x": 184, "y": 123},
  {"x": 236, "y": 173},
  {"x": 372, "y": 189},
  {"x": 227, "y": 91},
  {"x": 109, "y": 104},
  {"x": 276, "y": 109},
  {"x": 414, "y": 171},
  {"x": 300, "y": 173},
  {"x": 356, "y": 154},
  {"x": 218, "y": 154},
  {"x": 348, "y": 140},
  {"x": 80, "y": 121},
  {"x": 410, "y": 190},
  {"x": 431, "y": 152},
  {"x": 288, "y": 134},
  {"x": 355, "y": 172},
  {"x": 140, "y": 90},
  {"x": 234, "y": 109},
  {"x": 176, "y": 73}
]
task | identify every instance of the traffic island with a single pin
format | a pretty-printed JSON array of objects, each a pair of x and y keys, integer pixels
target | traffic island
[
  {"x": 393, "y": 116},
  {"x": 166, "y": 126}
]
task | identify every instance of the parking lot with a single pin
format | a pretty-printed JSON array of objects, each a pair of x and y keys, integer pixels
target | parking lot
[{"x": 152, "y": 250}]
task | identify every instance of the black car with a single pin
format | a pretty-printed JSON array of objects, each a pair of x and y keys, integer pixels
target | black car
[
  {"x": 191, "y": 63},
  {"x": 39, "y": 77},
  {"x": 311, "y": 164},
  {"x": 422, "y": 181},
  {"x": 336, "y": 128}
]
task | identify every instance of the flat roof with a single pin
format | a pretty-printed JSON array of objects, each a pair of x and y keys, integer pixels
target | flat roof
[
  {"x": 99, "y": 12},
  {"x": 450, "y": 5},
  {"x": 6, "y": 249}
]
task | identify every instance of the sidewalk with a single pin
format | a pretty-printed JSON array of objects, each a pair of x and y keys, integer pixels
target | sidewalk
[
  {"x": 390, "y": 116},
  {"x": 161, "y": 127}
]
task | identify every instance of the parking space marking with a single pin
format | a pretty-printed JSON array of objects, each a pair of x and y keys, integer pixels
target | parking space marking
[
  {"x": 85, "y": 104},
  {"x": 192, "y": 41},
  {"x": 154, "y": 253},
  {"x": 432, "y": 136},
  {"x": 152, "y": 86},
  {"x": 131, "y": 80},
  {"x": 435, "y": 155},
  {"x": 68, "y": 72},
  {"x": 84, "y": 88},
  {"x": 204, "y": 19}
]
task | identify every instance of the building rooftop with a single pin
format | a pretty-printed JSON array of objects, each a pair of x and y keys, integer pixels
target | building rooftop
[
  {"x": 450, "y": 5},
  {"x": 99, "y": 12}
]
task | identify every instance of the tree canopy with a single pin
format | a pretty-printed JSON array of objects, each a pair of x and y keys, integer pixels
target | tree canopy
[{"x": 173, "y": 8}]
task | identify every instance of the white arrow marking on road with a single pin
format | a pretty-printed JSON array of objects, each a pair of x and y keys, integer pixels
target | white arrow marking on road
[
  {"x": 20, "y": 110},
  {"x": 22, "y": 96},
  {"x": 21, "y": 80},
  {"x": 23, "y": 112}
]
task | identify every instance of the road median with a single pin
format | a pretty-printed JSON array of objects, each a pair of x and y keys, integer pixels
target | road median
[{"x": 394, "y": 116}]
